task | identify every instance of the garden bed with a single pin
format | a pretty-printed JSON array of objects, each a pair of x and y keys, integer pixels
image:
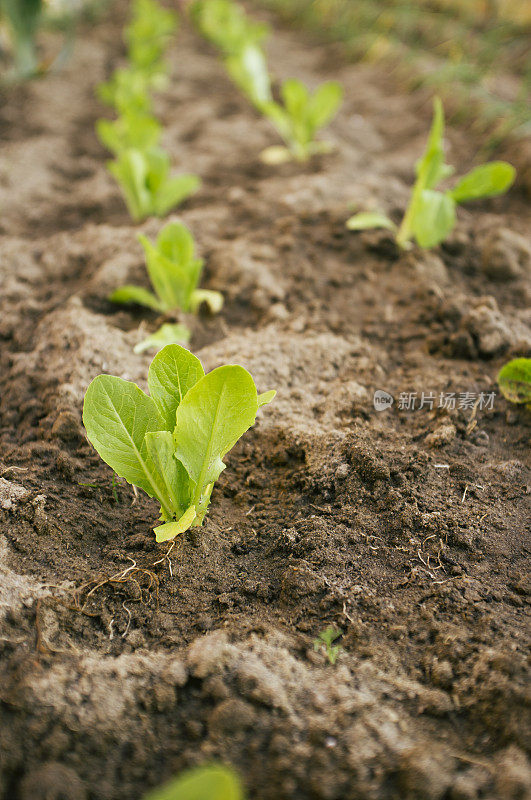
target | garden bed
[{"x": 408, "y": 530}]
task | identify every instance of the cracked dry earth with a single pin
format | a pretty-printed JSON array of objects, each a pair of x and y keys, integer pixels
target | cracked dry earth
[{"x": 122, "y": 664}]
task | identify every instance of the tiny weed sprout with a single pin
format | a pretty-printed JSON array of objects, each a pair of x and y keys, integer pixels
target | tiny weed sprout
[
  {"x": 171, "y": 443},
  {"x": 147, "y": 186},
  {"x": 431, "y": 215},
  {"x": 131, "y": 131},
  {"x": 23, "y": 18},
  {"x": 174, "y": 272},
  {"x": 514, "y": 380},
  {"x": 212, "y": 782},
  {"x": 148, "y": 34},
  {"x": 299, "y": 118},
  {"x": 326, "y": 639}
]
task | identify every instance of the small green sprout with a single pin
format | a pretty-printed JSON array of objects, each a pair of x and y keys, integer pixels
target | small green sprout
[
  {"x": 148, "y": 34},
  {"x": 514, "y": 380},
  {"x": 174, "y": 272},
  {"x": 171, "y": 444},
  {"x": 326, "y": 638},
  {"x": 24, "y": 18},
  {"x": 202, "y": 783},
  {"x": 431, "y": 215},
  {"x": 146, "y": 184},
  {"x": 133, "y": 130}
]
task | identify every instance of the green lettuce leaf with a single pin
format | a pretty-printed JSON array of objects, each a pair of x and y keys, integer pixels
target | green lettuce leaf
[
  {"x": 117, "y": 415},
  {"x": 210, "y": 420},
  {"x": 488, "y": 180},
  {"x": 172, "y": 373}
]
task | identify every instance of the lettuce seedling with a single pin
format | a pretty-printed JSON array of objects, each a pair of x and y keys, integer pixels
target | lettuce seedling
[
  {"x": 211, "y": 782},
  {"x": 514, "y": 380},
  {"x": 146, "y": 184},
  {"x": 128, "y": 91},
  {"x": 171, "y": 444},
  {"x": 299, "y": 118},
  {"x": 23, "y": 17},
  {"x": 248, "y": 70},
  {"x": 148, "y": 34},
  {"x": 300, "y": 115},
  {"x": 431, "y": 215},
  {"x": 174, "y": 272},
  {"x": 227, "y": 25},
  {"x": 131, "y": 131}
]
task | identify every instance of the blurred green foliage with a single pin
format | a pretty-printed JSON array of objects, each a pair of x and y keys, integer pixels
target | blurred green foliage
[{"x": 469, "y": 50}]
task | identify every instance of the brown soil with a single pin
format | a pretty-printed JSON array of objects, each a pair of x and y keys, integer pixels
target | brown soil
[{"x": 122, "y": 663}]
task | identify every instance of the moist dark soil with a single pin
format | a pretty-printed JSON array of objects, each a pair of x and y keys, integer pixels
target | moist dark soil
[{"x": 124, "y": 662}]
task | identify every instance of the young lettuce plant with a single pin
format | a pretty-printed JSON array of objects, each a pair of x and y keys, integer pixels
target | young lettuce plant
[
  {"x": 431, "y": 214},
  {"x": 148, "y": 34},
  {"x": 239, "y": 38},
  {"x": 147, "y": 186},
  {"x": 298, "y": 119},
  {"x": 128, "y": 91},
  {"x": 133, "y": 130},
  {"x": 171, "y": 443},
  {"x": 226, "y": 25},
  {"x": 174, "y": 272}
]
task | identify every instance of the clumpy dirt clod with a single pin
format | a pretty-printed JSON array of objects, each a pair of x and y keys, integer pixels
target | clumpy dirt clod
[{"x": 123, "y": 662}]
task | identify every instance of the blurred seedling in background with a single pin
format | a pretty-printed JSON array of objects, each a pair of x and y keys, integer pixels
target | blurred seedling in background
[
  {"x": 227, "y": 25},
  {"x": 300, "y": 114},
  {"x": 514, "y": 380},
  {"x": 171, "y": 444},
  {"x": 431, "y": 215},
  {"x": 325, "y": 640},
  {"x": 174, "y": 272},
  {"x": 134, "y": 130},
  {"x": 240, "y": 39},
  {"x": 128, "y": 91},
  {"x": 147, "y": 186},
  {"x": 212, "y": 782},
  {"x": 298, "y": 119},
  {"x": 147, "y": 36}
]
